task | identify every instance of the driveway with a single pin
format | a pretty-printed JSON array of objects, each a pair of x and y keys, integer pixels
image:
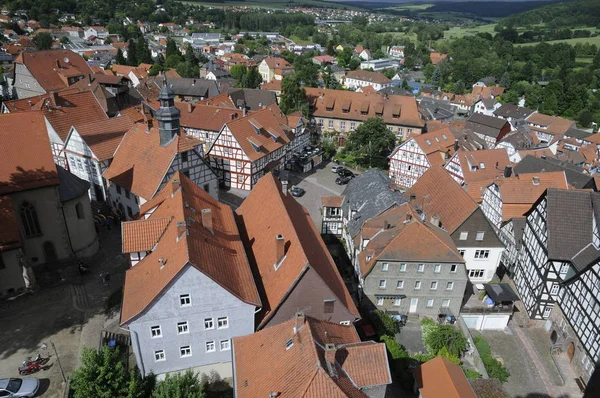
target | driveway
[{"x": 71, "y": 314}]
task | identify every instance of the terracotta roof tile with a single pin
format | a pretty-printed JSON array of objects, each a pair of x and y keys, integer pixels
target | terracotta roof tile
[
  {"x": 440, "y": 378},
  {"x": 219, "y": 255},
  {"x": 142, "y": 235},
  {"x": 27, "y": 161},
  {"x": 279, "y": 63},
  {"x": 104, "y": 136},
  {"x": 221, "y": 100},
  {"x": 550, "y": 124},
  {"x": 50, "y": 68},
  {"x": 394, "y": 109},
  {"x": 436, "y": 193},
  {"x": 140, "y": 162},
  {"x": 437, "y": 57},
  {"x": 266, "y": 213},
  {"x": 332, "y": 201},
  {"x": 480, "y": 168},
  {"x": 367, "y": 76},
  {"x": 291, "y": 359},
  {"x": 10, "y": 238},
  {"x": 207, "y": 117}
]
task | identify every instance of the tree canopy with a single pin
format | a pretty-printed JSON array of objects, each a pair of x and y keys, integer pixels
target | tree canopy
[{"x": 372, "y": 141}]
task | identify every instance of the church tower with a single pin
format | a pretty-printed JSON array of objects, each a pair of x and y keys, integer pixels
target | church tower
[{"x": 167, "y": 115}]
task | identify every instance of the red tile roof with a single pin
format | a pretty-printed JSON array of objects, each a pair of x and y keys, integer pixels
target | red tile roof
[
  {"x": 266, "y": 213},
  {"x": 51, "y": 67},
  {"x": 141, "y": 163},
  {"x": 207, "y": 117},
  {"x": 104, "y": 136},
  {"x": 480, "y": 168},
  {"x": 142, "y": 235},
  {"x": 437, "y": 57},
  {"x": 332, "y": 201},
  {"x": 27, "y": 161},
  {"x": 437, "y": 193},
  {"x": 293, "y": 359},
  {"x": 440, "y": 378},
  {"x": 218, "y": 254}
]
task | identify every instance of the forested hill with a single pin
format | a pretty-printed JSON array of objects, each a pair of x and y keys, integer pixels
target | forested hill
[
  {"x": 567, "y": 14},
  {"x": 490, "y": 9}
]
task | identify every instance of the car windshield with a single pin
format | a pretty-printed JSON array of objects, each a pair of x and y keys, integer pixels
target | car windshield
[{"x": 14, "y": 385}]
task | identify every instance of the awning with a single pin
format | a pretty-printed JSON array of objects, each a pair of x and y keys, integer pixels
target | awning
[{"x": 500, "y": 292}]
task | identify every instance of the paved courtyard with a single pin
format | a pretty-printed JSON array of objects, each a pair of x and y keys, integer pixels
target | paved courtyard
[{"x": 71, "y": 313}]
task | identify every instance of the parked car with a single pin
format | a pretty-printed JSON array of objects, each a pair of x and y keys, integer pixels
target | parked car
[
  {"x": 336, "y": 168},
  {"x": 345, "y": 173},
  {"x": 343, "y": 180},
  {"x": 297, "y": 191},
  {"x": 19, "y": 388}
]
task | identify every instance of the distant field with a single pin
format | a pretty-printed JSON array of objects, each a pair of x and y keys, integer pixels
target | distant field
[
  {"x": 458, "y": 32},
  {"x": 409, "y": 7},
  {"x": 402, "y": 35},
  {"x": 584, "y": 60},
  {"x": 273, "y": 4},
  {"x": 298, "y": 40},
  {"x": 592, "y": 40}
]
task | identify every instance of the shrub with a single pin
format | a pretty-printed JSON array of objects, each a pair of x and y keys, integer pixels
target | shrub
[
  {"x": 422, "y": 358},
  {"x": 427, "y": 326},
  {"x": 494, "y": 368},
  {"x": 445, "y": 354},
  {"x": 472, "y": 374},
  {"x": 482, "y": 346},
  {"x": 394, "y": 348},
  {"x": 383, "y": 323},
  {"x": 446, "y": 336}
]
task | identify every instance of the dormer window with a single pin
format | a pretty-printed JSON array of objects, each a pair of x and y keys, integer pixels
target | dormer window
[
  {"x": 482, "y": 165},
  {"x": 428, "y": 142}
]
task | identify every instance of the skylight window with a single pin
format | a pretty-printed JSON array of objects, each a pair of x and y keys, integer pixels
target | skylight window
[{"x": 428, "y": 142}]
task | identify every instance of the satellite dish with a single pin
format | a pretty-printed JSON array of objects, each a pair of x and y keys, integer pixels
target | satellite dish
[{"x": 66, "y": 60}]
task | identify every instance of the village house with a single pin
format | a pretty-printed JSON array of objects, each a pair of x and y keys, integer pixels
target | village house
[
  {"x": 440, "y": 200},
  {"x": 410, "y": 266},
  {"x": 274, "y": 68},
  {"x": 576, "y": 176},
  {"x": 441, "y": 378},
  {"x": 190, "y": 289},
  {"x": 307, "y": 357},
  {"x": 483, "y": 91},
  {"x": 343, "y": 111},
  {"x": 396, "y": 51},
  {"x": 489, "y": 128},
  {"x": 360, "y": 78},
  {"x": 476, "y": 169},
  {"x": 557, "y": 272},
  {"x": 548, "y": 128},
  {"x": 45, "y": 211},
  {"x": 62, "y": 111},
  {"x": 148, "y": 156},
  {"x": 506, "y": 201},
  {"x": 294, "y": 269},
  {"x": 111, "y": 92},
  {"x": 513, "y": 114},
  {"x": 411, "y": 159},
  {"x": 486, "y": 106},
  {"x": 518, "y": 140},
  {"x": 245, "y": 99},
  {"x": 333, "y": 216},
  {"x": 89, "y": 149},
  {"x": 40, "y": 72},
  {"x": 378, "y": 65},
  {"x": 99, "y": 32},
  {"x": 248, "y": 147}
]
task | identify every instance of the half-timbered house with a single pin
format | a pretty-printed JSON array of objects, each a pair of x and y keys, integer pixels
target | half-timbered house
[{"x": 148, "y": 156}]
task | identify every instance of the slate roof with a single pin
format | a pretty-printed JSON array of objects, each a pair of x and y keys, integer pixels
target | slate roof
[
  {"x": 27, "y": 161},
  {"x": 263, "y": 215},
  {"x": 575, "y": 174},
  {"x": 476, "y": 222},
  {"x": 71, "y": 186},
  {"x": 486, "y": 125},
  {"x": 574, "y": 132},
  {"x": 189, "y": 87},
  {"x": 293, "y": 359},
  {"x": 500, "y": 292},
  {"x": 513, "y": 111},
  {"x": 218, "y": 254},
  {"x": 253, "y": 99},
  {"x": 370, "y": 195}
]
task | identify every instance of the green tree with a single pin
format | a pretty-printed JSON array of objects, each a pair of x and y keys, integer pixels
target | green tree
[
  {"x": 143, "y": 53},
  {"x": 445, "y": 354},
  {"x": 43, "y": 41},
  {"x": 155, "y": 70},
  {"x": 585, "y": 118},
  {"x": 293, "y": 97},
  {"x": 505, "y": 80},
  {"x": 132, "y": 53},
  {"x": 120, "y": 59},
  {"x": 103, "y": 375},
  {"x": 436, "y": 77},
  {"x": 172, "y": 48},
  {"x": 108, "y": 40},
  {"x": 330, "y": 49},
  {"x": 253, "y": 79},
  {"x": 179, "y": 386},
  {"x": 448, "y": 337},
  {"x": 354, "y": 64},
  {"x": 459, "y": 87},
  {"x": 372, "y": 141},
  {"x": 190, "y": 56}
]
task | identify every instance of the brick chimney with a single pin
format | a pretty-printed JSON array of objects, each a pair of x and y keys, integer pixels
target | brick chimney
[
  {"x": 408, "y": 218},
  {"x": 279, "y": 248},
  {"x": 435, "y": 220},
  {"x": 330, "y": 351},
  {"x": 53, "y": 99},
  {"x": 300, "y": 319},
  {"x": 207, "y": 221},
  {"x": 175, "y": 184},
  {"x": 190, "y": 107},
  {"x": 181, "y": 229}
]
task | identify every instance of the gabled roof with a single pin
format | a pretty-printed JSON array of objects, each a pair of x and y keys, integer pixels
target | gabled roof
[
  {"x": 27, "y": 161},
  {"x": 207, "y": 117},
  {"x": 277, "y": 63},
  {"x": 486, "y": 125},
  {"x": 63, "y": 110},
  {"x": 436, "y": 193},
  {"x": 142, "y": 235},
  {"x": 549, "y": 124},
  {"x": 260, "y": 133},
  {"x": 368, "y": 76},
  {"x": 394, "y": 109},
  {"x": 513, "y": 111},
  {"x": 219, "y": 254},
  {"x": 480, "y": 168},
  {"x": 266, "y": 213},
  {"x": 293, "y": 359},
  {"x": 252, "y": 99},
  {"x": 576, "y": 176},
  {"x": 140, "y": 162},
  {"x": 440, "y": 378},
  {"x": 487, "y": 92},
  {"x": 51, "y": 68},
  {"x": 103, "y": 137},
  {"x": 369, "y": 195}
]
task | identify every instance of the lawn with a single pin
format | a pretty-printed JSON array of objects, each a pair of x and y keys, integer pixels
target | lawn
[
  {"x": 410, "y": 7},
  {"x": 592, "y": 40},
  {"x": 402, "y": 35},
  {"x": 458, "y": 32},
  {"x": 298, "y": 40},
  {"x": 274, "y": 4}
]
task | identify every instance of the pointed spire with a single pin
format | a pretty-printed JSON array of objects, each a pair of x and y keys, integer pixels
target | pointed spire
[{"x": 167, "y": 115}]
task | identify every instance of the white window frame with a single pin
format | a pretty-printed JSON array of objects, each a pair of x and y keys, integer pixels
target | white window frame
[
  {"x": 185, "y": 300},
  {"x": 400, "y": 285},
  {"x": 209, "y": 321},
  {"x": 159, "y": 356},
  {"x": 228, "y": 345},
  {"x": 429, "y": 303},
  {"x": 382, "y": 283},
  {"x": 421, "y": 268},
  {"x": 450, "y": 286},
  {"x": 153, "y": 330},
  {"x": 480, "y": 235},
  {"x": 209, "y": 344},
  {"x": 379, "y": 300},
  {"x": 446, "y": 303},
  {"x": 187, "y": 349},
  {"x": 397, "y": 302},
  {"x": 385, "y": 267},
  {"x": 554, "y": 289},
  {"x": 482, "y": 254},
  {"x": 464, "y": 235},
  {"x": 402, "y": 267},
  {"x": 564, "y": 268},
  {"x": 437, "y": 268},
  {"x": 547, "y": 312},
  {"x": 433, "y": 286},
  {"x": 183, "y": 327},
  {"x": 224, "y": 320},
  {"x": 417, "y": 285}
]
